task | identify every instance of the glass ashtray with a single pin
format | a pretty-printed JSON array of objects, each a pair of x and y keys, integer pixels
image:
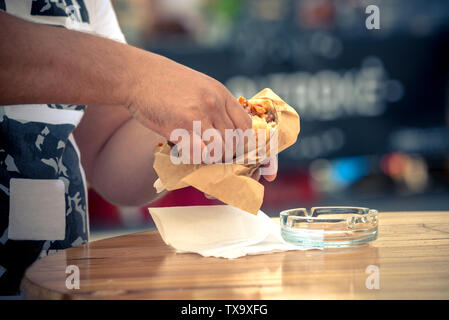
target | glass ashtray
[{"x": 329, "y": 227}]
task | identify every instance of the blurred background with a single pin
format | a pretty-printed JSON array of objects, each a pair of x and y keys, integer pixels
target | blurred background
[{"x": 374, "y": 104}]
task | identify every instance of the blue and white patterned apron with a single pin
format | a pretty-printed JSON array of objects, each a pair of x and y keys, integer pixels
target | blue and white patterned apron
[{"x": 36, "y": 143}]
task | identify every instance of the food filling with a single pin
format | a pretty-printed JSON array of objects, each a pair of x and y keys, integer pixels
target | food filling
[{"x": 258, "y": 108}]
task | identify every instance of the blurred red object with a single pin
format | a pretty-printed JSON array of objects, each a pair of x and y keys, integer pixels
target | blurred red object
[
  {"x": 104, "y": 214},
  {"x": 394, "y": 164},
  {"x": 313, "y": 14},
  {"x": 101, "y": 212}
]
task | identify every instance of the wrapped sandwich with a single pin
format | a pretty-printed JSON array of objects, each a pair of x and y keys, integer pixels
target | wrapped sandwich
[
  {"x": 262, "y": 112},
  {"x": 231, "y": 183}
]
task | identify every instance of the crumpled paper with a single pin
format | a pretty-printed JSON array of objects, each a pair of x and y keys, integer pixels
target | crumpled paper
[
  {"x": 220, "y": 231},
  {"x": 230, "y": 183}
]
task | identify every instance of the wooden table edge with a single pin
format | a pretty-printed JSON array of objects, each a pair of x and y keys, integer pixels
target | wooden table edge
[{"x": 33, "y": 291}]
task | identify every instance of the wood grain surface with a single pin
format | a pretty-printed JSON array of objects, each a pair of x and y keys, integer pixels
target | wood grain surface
[{"x": 412, "y": 254}]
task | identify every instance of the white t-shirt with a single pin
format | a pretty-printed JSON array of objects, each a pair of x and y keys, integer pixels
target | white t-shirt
[{"x": 43, "y": 193}]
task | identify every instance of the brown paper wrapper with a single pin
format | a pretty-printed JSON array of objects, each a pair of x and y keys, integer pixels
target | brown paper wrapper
[{"x": 230, "y": 183}]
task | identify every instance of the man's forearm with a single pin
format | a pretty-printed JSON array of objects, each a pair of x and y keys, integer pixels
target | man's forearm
[
  {"x": 44, "y": 64},
  {"x": 123, "y": 170}
]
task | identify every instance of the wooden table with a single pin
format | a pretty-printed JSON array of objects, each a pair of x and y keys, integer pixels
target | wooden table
[{"x": 411, "y": 254}]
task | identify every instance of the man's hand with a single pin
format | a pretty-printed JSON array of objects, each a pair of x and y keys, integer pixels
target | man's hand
[{"x": 171, "y": 96}]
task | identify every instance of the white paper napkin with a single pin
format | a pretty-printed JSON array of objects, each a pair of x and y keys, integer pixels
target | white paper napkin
[{"x": 221, "y": 231}]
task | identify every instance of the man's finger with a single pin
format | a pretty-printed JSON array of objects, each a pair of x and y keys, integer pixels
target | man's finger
[
  {"x": 269, "y": 169},
  {"x": 237, "y": 114},
  {"x": 213, "y": 152},
  {"x": 270, "y": 178},
  {"x": 222, "y": 122},
  {"x": 189, "y": 143}
]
